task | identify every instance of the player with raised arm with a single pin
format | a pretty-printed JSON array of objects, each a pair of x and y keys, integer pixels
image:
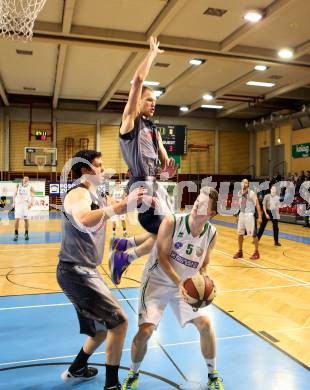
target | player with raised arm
[
  {"x": 183, "y": 248},
  {"x": 142, "y": 149}
]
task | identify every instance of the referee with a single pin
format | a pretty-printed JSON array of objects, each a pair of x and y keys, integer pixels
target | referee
[{"x": 271, "y": 205}]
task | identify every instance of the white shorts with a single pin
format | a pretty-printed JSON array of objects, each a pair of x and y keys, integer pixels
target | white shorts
[
  {"x": 21, "y": 211},
  {"x": 247, "y": 224},
  {"x": 118, "y": 217},
  {"x": 155, "y": 297}
]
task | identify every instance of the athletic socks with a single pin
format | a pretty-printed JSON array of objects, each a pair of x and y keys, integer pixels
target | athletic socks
[
  {"x": 79, "y": 363},
  {"x": 111, "y": 376},
  {"x": 132, "y": 256},
  {"x": 135, "y": 366},
  {"x": 211, "y": 364},
  {"x": 131, "y": 243}
]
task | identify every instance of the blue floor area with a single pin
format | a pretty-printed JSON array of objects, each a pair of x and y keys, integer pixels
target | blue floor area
[{"x": 48, "y": 333}]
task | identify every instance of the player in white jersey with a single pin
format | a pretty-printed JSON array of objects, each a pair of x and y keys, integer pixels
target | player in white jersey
[
  {"x": 118, "y": 195},
  {"x": 248, "y": 202},
  {"x": 23, "y": 198},
  {"x": 184, "y": 245}
]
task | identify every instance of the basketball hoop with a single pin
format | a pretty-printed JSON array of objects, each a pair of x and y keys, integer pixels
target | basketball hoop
[
  {"x": 40, "y": 162},
  {"x": 17, "y": 18}
]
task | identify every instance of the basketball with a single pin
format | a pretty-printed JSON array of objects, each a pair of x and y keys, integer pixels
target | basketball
[{"x": 200, "y": 290}]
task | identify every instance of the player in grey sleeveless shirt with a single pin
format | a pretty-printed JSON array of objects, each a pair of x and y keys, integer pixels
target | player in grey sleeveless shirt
[
  {"x": 142, "y": 149},
  {"x": 83, "y": 237}
]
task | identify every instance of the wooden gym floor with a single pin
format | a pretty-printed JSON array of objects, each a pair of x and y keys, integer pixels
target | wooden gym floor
[{"x": 270, "y": 296}]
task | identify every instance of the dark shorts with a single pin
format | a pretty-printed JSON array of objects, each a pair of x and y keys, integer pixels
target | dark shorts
[
  {"x": 151, "y": 219},
  {"x": 97, "y": 309}
]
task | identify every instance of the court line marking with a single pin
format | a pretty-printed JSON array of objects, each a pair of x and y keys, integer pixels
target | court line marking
[
  {"x": 127, "y": 349},
  {"x": 266, "y": 269},
  {"x": 137, "y": 298},
  {"x": 149, "y": 347},
  {"x": 29, "y": 248}
]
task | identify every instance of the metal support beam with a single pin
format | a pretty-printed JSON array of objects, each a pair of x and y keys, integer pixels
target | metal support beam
[
  {"x": 136, "y": 42},
  {"x": 269, "y": 14},
  {"x": 98, "y": 135},
  {"x": 179, "y": 80},
  {"x": 301, "y": 50},
  {"x": 68, "y": 16},
  {"x": 3, "y": 93},
  {"x": 271, "y": 151},
  {"x": 276, "y": 92},
  {"x": 54, "y": 140},
  {"x": 63, "y": 48},
  {"x": 221, "y": 91},
  {"x": 252, "y": 153},
  {"x": 216, "y": 151},
  {"x": 166, "y": 15},
  {"x": 6, "y": 142},
  {"x": 62, "y": 53},
  {"x": 127, "y": 69}
]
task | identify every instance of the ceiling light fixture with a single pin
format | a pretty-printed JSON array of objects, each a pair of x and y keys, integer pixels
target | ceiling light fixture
[
  {"x": 184, "y": 108},
  {"x": 196, "y": 61},
  {"x": 159, "y": 92},
  {"x": 253, "y": 16},
  {"x": 260, "y": 84},
  {"x": 208, "y": 96},
  {"x": 286, "y": 52},
  {"x": 214, "y": 106},
  {"x": 261, "y": 68}
]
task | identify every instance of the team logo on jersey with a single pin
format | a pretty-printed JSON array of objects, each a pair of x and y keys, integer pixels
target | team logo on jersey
[
  {"x": 180, "y": 234},
  {"x": 199, "y": 251},
  {"x": 178, "y": 245}
]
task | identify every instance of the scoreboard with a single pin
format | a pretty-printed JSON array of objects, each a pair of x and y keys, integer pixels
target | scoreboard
[
  {"x": 40, "y": 135},
  {"x": 174, "y": 138}
]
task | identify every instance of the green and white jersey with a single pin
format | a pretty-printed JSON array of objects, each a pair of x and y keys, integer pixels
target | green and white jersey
[
  {"x": 187, "y": 253},
  {"x": 23, "y": 194},
  {"x": 118, "y": 194}
]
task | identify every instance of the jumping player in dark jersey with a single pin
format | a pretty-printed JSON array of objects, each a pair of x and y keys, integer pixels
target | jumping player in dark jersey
[{"x": 142, "y": 149}]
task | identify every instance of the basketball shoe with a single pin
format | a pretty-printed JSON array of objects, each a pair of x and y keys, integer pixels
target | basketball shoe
[
  {"x": 132, "y": 380},
  {"x": 255, "y": 256},
  {"x": 238, "y": 255},
  {"x": 119, "y": 244},
  {"x": 84, "y": 374},
  {"x": 214, "y": 382},
  {"x": 118, "y": 263},
  {"x": 116, "y": 387}
]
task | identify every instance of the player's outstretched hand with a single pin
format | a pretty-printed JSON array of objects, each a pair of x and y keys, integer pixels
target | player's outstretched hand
[
  {"x": 135, "y": 197},
  {"x": 154, "y": 46},
  {"x": 170, "y": 168}
]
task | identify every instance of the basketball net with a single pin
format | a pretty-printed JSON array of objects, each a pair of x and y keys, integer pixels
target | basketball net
[
  {"x": 40, "y": 161},
  {"x": 17, "y": 18}
]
